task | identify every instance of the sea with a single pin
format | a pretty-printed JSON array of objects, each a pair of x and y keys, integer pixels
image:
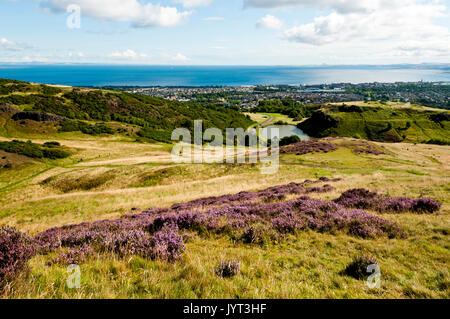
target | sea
[{"x": 93, "y": 75}]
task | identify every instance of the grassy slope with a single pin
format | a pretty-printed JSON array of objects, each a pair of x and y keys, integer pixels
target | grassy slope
[
  {"x": 108, "y": 176},
  {"x": 154, "y": 117},
  {"x": 276, "y": 117},
  {"x": 382, "y": 123},
  {"x": 306, "y": 265}
]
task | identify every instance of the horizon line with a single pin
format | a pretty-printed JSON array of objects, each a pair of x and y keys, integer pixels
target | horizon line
[{"x": 217, "y": 65}]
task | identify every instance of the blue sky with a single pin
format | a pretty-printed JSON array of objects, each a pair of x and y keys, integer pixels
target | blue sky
[{"x": 225, "y": 32}]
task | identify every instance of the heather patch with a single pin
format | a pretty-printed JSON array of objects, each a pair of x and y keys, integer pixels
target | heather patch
[
  {"x": 249, "y": 217},
  {"x": 311, "y": 146},
  {"x": 16, "y": 249},
  {"x": 76, "y": 256},
  {"x": 366, "y": 148},
  {"x": 284, "y": 217},
  {"x": 274, "y": 193},
  {"x": 167, "y": 244},
  {"x": 324, "y": 216},
  {"x": 123, "y": 237},
  {"x": 365, "y": 199}
]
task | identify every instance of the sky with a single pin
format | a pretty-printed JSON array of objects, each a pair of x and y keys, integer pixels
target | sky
[{"x": 225, "y": 32}]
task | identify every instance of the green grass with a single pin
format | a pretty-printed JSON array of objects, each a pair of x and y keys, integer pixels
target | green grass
[
  {"x": 412, "y": 171},
  {"x": 273, "y": 114},
  {"x": 156, "y": 118},
  {"x": 382, "y": 123}
]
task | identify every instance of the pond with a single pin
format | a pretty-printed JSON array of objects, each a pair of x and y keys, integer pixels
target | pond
[{"x": 284, "y": 130}]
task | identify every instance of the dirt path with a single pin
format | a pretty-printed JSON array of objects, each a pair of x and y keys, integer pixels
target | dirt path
[{"x": 266, "y": 122}]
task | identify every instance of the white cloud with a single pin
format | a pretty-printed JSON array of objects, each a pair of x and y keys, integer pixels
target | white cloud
[
  {"x": 137, "y": 13},
  {"x": 9, "y": 45},
  {"x": 194, "y": 3},
  {"x": 180, "y": 58},
  {"x": 128, "y": 54},
  {"x": 398, "y": 22},
  {"x": 269, "y": 22}
]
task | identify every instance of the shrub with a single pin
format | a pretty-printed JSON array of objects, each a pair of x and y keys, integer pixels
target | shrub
[
  {"x": 16, "y": 249},
  {"x": 167, "y": 245},
  {"x": 51, "y": 144},
  {"x": 358, "y": 267},
  {"x": 96, "y": 129},
  {"x": 86, "y": 128},
  {"x": 155, "y": 135},
  {"x": 350, "y": 108},
  {"x": 55, "y": 153},
  {"x": 76, "y": 256},
  {"x": 33, "y": 150},
  {"x": 228, "y": 269},
  {"x": 288, "y": 223},
  {"x": 253, "y": 235},
  {"x": 49, "y": 90},
  {"x": 280, "y": 122},
  {"x": 128, "y": 242},
  {"x": 68, "y": 126},
  {"x": 23, "y": 148},
  {"x": 365, "y": 199},
  {"x": 426, "y": 205},
  {"x": 305, "y": 147},
  {"x": 289, "y": 140}
]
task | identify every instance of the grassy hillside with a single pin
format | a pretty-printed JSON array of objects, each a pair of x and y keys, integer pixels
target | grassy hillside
[
  {"x": 293, "y": 234},
  {"x": 378, "y": 122},
  {"x": 93, "y": 111},
  {"x": 111, "y": 179}
]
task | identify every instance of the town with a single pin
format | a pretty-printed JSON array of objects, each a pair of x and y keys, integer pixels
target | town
[{"x": 432, "y": 94}]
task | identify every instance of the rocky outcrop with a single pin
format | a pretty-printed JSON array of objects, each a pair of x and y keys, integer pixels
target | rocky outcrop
[{"x": 37, "y": 116}]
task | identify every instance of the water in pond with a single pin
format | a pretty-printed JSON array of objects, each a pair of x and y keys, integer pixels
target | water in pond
[{"x": 283, "y": 131}]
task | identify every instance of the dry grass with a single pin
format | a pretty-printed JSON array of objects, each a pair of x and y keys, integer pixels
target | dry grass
[
  {"x": 389, "y": 104},
  {"x": 306, "y": 265}
]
